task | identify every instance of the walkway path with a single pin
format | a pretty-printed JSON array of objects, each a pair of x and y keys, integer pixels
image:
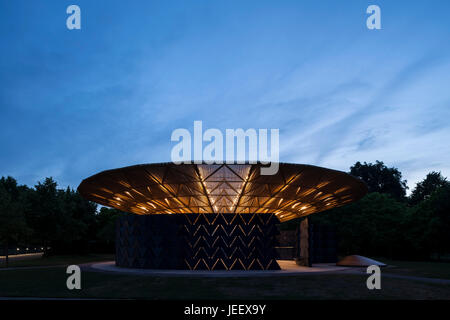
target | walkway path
[{"x": 288, "y": 268}]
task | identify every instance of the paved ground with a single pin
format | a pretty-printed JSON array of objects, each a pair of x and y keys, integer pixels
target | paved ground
[{"x": 288, "y": 268}]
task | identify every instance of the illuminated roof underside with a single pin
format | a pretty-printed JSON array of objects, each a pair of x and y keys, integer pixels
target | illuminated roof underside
[{"x": 165, "y": 188}]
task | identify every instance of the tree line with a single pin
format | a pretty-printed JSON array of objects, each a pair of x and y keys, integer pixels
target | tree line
[
  {"x": 387, "y": 222},
  {"x": 56, "y": 220}
]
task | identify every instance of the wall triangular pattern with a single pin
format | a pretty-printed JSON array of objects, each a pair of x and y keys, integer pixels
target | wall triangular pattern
[{"x": 218, "y": 241}]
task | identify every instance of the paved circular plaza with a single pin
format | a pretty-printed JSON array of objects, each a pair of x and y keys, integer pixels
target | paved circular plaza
[{"x": 288, "y": 268}]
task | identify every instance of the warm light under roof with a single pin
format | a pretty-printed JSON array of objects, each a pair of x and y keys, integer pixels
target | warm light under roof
[{"x": 227, "y": 188}]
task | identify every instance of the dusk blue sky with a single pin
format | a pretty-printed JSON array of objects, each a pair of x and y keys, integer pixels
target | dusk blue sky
[{"x": 74, "y": 103}]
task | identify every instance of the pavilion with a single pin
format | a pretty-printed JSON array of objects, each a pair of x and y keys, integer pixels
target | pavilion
[{"x": 212, "y": 216}]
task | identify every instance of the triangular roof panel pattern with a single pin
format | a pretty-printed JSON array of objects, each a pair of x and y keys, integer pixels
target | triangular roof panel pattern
[{"x": 296, "y": 190}]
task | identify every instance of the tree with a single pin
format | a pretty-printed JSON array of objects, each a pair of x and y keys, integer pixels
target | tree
[
  {"x": 12, "y": 220},
  {"x": 61, "y": 219},
  {"x": 433, "y": 181},
  {"x": 44, "y": 215},
  {"x": 380, "y": 178},
  {"x": 78, "y": 220},
  {"x": 106, "y": 220},
  {"x": 429, "y": 224},
  {"x": 372, "y": 226}
]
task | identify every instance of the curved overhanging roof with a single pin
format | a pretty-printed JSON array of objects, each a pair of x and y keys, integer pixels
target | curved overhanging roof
[{"x": 297, "y": 190}]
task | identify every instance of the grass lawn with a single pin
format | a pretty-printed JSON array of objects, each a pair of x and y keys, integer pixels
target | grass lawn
[
  {"x": 51, "y": 282},
  {"x": 428, "y": 269},
  {"x": 55, "y": 260}
]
